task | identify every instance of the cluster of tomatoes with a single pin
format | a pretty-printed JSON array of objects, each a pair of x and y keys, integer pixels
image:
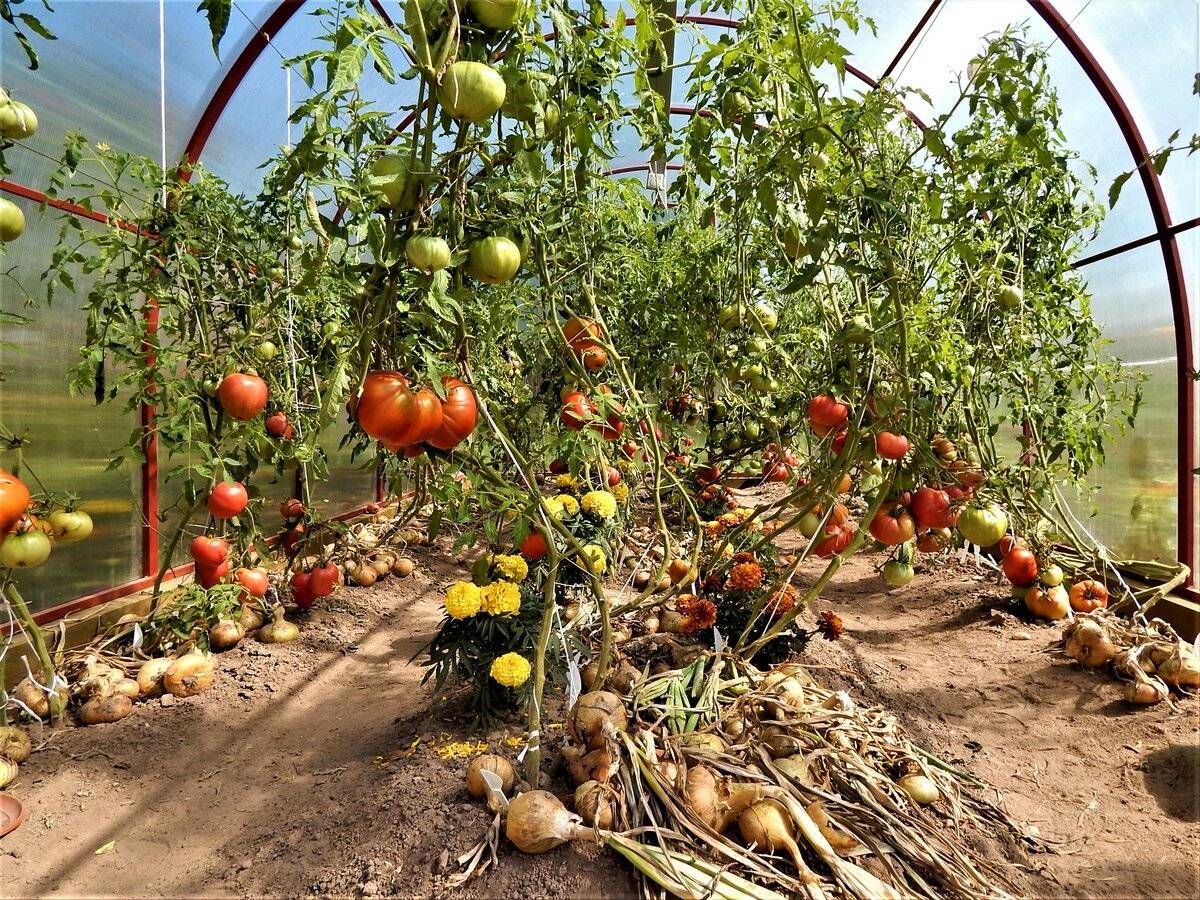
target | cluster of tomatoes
[
  {"x": 26, "y": 535},
  {"x": 390, "y": 411},
  {"x": 1042, "y": 587}
]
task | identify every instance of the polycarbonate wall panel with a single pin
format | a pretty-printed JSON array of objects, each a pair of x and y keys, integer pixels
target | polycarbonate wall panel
[
  {"x": 71, "y": 439},
  {"x": 350, "y": 484},
  {"x": 1189, "y": 251},
  {"x": 1137, "y": 500},
  {"x": 1150, "y": 49},
  {"x": 894, "y": 21}
]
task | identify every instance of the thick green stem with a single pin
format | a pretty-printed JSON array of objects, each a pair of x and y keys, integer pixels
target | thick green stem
[{"x": 37, "y": 640}]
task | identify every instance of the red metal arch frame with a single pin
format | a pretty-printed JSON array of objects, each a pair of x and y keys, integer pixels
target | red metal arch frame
[{"x": 1165, "y": 234}]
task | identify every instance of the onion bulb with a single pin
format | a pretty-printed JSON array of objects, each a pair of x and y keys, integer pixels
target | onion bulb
[
  {"x": 34, "y": 697},
  {"x": 538, "y": 822},
  {"x": 794, "y": 767},
  {"x": 225, "y": 634},
  {"x": 715, "y": 800},
  {"x": 594, "y": 716},
  {"x": 365, "y": 575},
  {"x": 190, "y": 674},
  {"x": 8, "y": 772},
  {"x": 1181, "y": 669},
  {"x": 127, "y": 687},
  {"x": 150, "y": 676},
  {"x": 14, "y": 744},
  {"x": 279, "y": 631},
  {"x": 920, "y": 788},
  {"x": 403, "y": 567},
  {"x": 489, "y": 762},
  {"x": 845, "y": 844},
  {"x": 781, "y": 742},
  {"x": 671, "y": 621},
  {"x": 250, "y": 618},
  {"x": 1089, "y": 644},
  {"x": 594, "y": 802},
  {"x": 1144, "y": 693},
  {"x": 109, "y": 708},
  {"x": 703, "y": 742},
  {"x": 767, "y": 825}
]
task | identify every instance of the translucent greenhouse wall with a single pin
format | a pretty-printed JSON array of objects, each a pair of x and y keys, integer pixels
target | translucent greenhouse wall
[{"x": 1124, "y": 71}]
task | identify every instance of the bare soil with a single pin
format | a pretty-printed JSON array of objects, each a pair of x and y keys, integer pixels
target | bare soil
[{"x": 326, "y": 767}]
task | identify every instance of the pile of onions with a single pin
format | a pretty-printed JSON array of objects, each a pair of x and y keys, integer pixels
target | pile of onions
[{"x": 715, "y": 800}]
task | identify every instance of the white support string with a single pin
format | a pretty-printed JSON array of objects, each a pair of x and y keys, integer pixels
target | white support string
[{"x": 162, "y": 93}]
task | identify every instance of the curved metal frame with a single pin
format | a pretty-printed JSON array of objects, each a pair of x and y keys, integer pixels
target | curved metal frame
[{"x": 1165, "y": 232}]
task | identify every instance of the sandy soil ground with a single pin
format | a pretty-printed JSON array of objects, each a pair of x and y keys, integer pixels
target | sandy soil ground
[{"x": 326, "y": 767}]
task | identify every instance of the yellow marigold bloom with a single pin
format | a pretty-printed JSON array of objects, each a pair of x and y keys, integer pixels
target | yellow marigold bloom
[
  {"x": 746, "y": 576},
  {"x": 743, "y": 513},
  {"x": 501, "y": 598},
  {"x": 596, "y": 561},
  {"x": 463, "y": 600},
  {"x": 712, "y": 528},
  {"x": 567, "y": 482},
  {"x": 728, "y": 520},
  {"x": 601, "y": 504},
  {"x": 563, "y": 506},
  {"x": 511, "y": 670},
  {"x": 621, "y": 491},
  {"x": 625, "y": 465},
  {"x": 512, "y": 567}
]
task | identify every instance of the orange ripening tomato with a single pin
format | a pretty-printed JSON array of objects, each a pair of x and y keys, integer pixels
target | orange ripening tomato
[
  {"x": 242, "y": 396},
  {"x": 891, "y": 446},
  {"x": 1087, "y": 596},
  {"x": 581, "y": 333},
  {"x": 825, "y": 412},
  {"x": 388, "y": 410},
  {"x": 459, "y": 413},
  {"x": 934, "y": 540},
  {"x": 836, "y": 539},
  {"x": 577, "y": 410},
  {"x": 254, "y": 581},
  {"x": 893, "y": 526},
  {"x": 14, "y": 500}
]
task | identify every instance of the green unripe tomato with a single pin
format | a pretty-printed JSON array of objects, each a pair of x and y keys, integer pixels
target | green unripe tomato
[
  {"x": 266, "y": 351},
  {"x": 210, "y": 386},
  {"x": 752, "y": 430},
  {"x": 818, "y": 161},
  {"x": 427, "y": 252},
  {"x": 1010, "y": 296},
  {"x": 1051, "y": 576},
  {"x": 275, "y": 273},
  {"x": 760, "y": 383},
  {"x": 729, "y": 317},
  {"x": 733, "y": 443},
  {"x": 12, "y": 221},
  {"x": 295, "y": 242},
  {"x": 898, "y": 574},
  {"x": 17, "y": 121},
  {"x": 330, "y": 330}
]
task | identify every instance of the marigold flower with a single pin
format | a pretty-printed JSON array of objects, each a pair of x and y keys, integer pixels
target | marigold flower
[
  {"x": 829, "y": 624},
  {"x": 621, "y": 491},
  {"x": 463, "y": 600},
  {"x": 596, "y": 560},
  {"x": 600, "y": 504},
  {"x": 728, "y": 520},
  {"x": 567, "y": 482},
  {"x": 712, "y": 528},
  {"x": 744, "y": 556},
  {"x": 781, "y": 602},
  {"x": 698, "y": 613},
  {"x": 747, "y": 576},
  {"x": 500, "y": 598},
  {"x": 511, "y": 670},
  {"x": 563, "y": 506},
  {"x": 512, "y": 567}
]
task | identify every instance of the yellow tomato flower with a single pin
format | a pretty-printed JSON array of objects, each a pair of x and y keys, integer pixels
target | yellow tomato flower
[
  {"x": 463, "y": 600},
  {"x": 600, "y": 504},
  {"x": 513, "y": 567},
  {"x": 511, "y": 670},
  {"x": 593, "y": 559},
  {"x": 501, "y": 598}
]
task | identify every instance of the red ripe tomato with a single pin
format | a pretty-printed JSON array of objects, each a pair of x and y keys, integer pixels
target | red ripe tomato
[
  {"x": 629, "y": 449},
  {"x": 14, "y": 500},
  {"x": 302, "y": 591},
  {"x": 459, "y": 413},
  {"x": 581, "y": 333},
  {"x": 611, "y": 428},
  {"x": 227, "y": 499},
  {"x": 413, "y": 452},
  {"x": 242, "y": 396},
  {"x": 558, "y": 467},
  {"x": 931, "y": 508},
  {"x": 1087, "y": 596},
  {"x": 825, "y": 412},
  {"x": 1008, "y": 542},
  {"x": 838, "y": 442},
  {"x": 279, "y": 426},
  {"x": 836, "y": 539},
  {"x": 775, "y": 471},
  {"x": 388, "y": 410},
  {"x": 255, "y": 581},
  {"x": 1020, "y": 566},
  {"x": 323, "y": 580},
  {"x": 208, "y": 576},
  {"x": 209, "y": 551},
  {"x": 893, "y": 526},
  {"x": 644, "y": 428},
  {"x": 291, "y": 508},
  {"x": 577, "y": 410},
  {"x": 294, "y": 536},
  {"x": 534, "y": 546},
  {"x": 891, "y": 446},
  {"x": 612, "y": 475},
  {"x": 709, "y": 475}
]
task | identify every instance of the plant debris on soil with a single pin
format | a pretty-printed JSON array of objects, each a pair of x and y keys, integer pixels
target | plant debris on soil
[{"x": 325, "y": 767}]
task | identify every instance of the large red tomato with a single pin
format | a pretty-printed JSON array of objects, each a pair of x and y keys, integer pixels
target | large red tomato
[
  {"x": 459, "y": 412},
  {"x": 390, "y": 411},
  {"x": 302, "y": 589},
  {"x": 893, "y": 526},
  {"x": 208, "y": 575},
  {"x": 891, "y": 446},
  {"x": 577, "y": 410},
  {"x": 775, "y": 471},
  {"x": 824, "y": 412},
  {"x": 581, "y": 333},
  {"x": 242, "y": 396},
  {"x": 1020, "y": 566},
  {"x": 255, "y": 581},
  {"x": 1087, "y": 596},
  {"x": 14, "y": 500},
  {"x": 324, "y": 579},
  {"x": 227, "y": 499},
  {"x": 836, "y": 539},
  {"x": 931, "y": 509},
  {"x": 209, "y": 551},
  {"x": 612, "y": 475},
  {"x": 294, "y": 536},
  {"x": 279, "y": 426},
  {"x": 291, "y": 508}
]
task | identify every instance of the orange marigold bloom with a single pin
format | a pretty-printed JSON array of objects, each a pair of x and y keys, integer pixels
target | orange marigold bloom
[
  {"x": 744, "y": 556},
  {"x": 830, "y": 625},
  {"x": 782, "y": 602},
  {"x": 747, "y": 576},
  {"x": 698, "y": 613}
]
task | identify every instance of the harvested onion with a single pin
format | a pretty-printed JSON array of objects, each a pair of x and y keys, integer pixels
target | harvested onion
[
  {"x": 920, "y": 788},
  {"x": 594, "y": 716},
  {"x": 279, "y": 631},
  {"x": 489, "y": 762},
  {"x": 225, "y": 634},
  {"x": 101, "y": 710},
  {"x": 1181, "y": 669},
  {"x": 1089, "y": 644},
  {"x": 716, "y": 801},
  {"x": 250, "y": 618},
  {"x": 150, "y": 676},
  {"x": 594, "y": 802},
  {"x": 8, "y": 772},
  {"x": 1144, "y": 693},
  {"x": 538, "y": 822},
  {"x": 14, "y": 744},
  {"x": 403, "y": 567},
  {"x": 190, "y": 674}
]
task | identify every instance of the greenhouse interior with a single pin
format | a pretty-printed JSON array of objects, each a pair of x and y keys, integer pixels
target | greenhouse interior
[{"x": 740, "y": 449}]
